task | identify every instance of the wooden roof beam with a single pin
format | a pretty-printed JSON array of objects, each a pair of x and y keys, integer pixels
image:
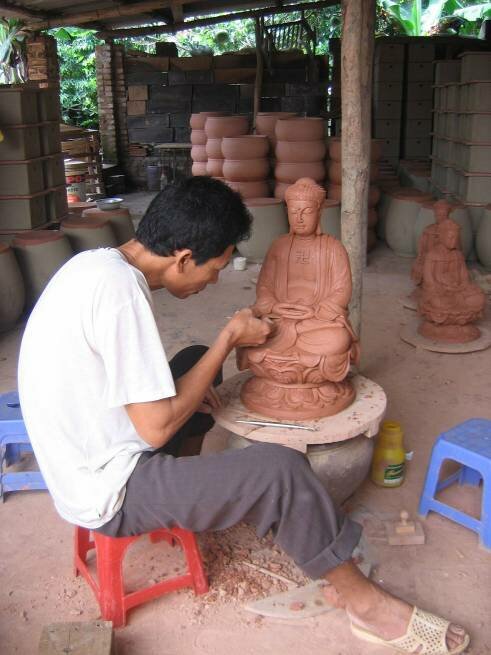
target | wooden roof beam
[
  {"x": 177, "y": 12},
  {"x": 17, "y": 11},
  {"x": 213, "y": 20}
]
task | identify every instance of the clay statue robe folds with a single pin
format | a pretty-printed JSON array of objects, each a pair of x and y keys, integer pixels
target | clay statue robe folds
[{"x": 302, "y": 328}]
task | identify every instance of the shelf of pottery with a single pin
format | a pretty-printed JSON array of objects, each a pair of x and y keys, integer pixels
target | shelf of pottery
[
  {"x": 461, "y": 158},
  {"x": 81, "y": 149},
  {"x": 32, "y": 176}
]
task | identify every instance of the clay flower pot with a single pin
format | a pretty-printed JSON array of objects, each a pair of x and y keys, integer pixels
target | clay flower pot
[
  {"x": 290, "y": 173},
  {"x": 12, "y": 293},
  {"x": 214, "y": 167},
  {"x": 199, "y": 168},
  {"x": 300, "y": 151},
  {"x": 257, "y": 189},
  {"x": 483, "y": 239},
  {"x": 214, "y": 149},
  {"x": 334, "y": 172},
  {"x": 266, "y": 122},
  {"x": 331, "y": 218},
  {"x": 245, "y": 170},
  {"x": 221, "y": 126},
  {"x": 119, "y": 220},
  {"x": 198, "y": 137},
  {"x": 197, "y": 121},
  {"x": 300, "y": 129},
  {"x": 401, "y": 217},
  {"x": 250, "y": 146},
  {"x": 269, "y": 221},
  {"x": 88, "y": 233},
  {"x": 198, "y": 153},
  {"x": 279, "y": 190}
]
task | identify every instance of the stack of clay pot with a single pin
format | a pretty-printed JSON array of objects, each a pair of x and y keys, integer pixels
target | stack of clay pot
[
  {"x": 246, "y": 164},
  {"x": 119, "y": 220},
  {"x": 269, "y": 221},
  {"x": 198, "y": 140},
  {"x": 12, "y": 293},
  {"x": 334, "y": 175},
  {"x": 403, "y": 209},
  {"x": 216, "y": 129},
  {"x": 266, "y": 124},
  {"x": 300, "y": 151}
]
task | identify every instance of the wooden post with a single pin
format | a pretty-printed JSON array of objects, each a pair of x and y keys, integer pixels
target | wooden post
[
  {"x": 357, "y": 45},
  {"x": 258, "y": 82}
]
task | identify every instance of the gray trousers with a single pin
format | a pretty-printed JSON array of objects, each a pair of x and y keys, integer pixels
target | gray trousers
[{"x": 269, "y": 486}]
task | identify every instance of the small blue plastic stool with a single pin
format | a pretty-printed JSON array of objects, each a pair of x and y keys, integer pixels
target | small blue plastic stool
[
  {"x": 14, "y": 441},
  {"x": 469, "y": 444}
]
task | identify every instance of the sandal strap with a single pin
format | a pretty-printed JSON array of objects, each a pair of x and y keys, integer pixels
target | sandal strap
[{"x": 425, "y": 631}]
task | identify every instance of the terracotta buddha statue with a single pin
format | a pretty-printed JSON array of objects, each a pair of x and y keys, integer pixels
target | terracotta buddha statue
[
  {"x": 429, "y": 239},
  {"x": 450, "y": 302},
  {"x": 304, "y": 287}
]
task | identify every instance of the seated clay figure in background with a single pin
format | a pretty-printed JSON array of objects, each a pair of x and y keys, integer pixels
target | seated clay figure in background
[
  {"x": 304, "y": 287},
  {"x": 450, "y": 302},
  {"x": 429, "y": 239}
]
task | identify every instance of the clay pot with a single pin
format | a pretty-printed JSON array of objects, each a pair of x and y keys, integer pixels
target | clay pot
[
  {"x": 334, "y": 172},
  {"x": 79, "y": 207},
  {"x": 266, "y": 123},
  {"x": 88, "y": 233},
  {"x": 483, "y": 239},
  {"x": 290, "y": 173},
  {"x": 382, "y": 208},
  {"x": 221, "y": 126},
  {"x": 331, "y": 218},
  {"x": 12, "y": 292},
  {"x": 334, "y": 146},
  {"x": 401, "y": 217},
  {"x": 198, "y": 137},
  {"x": 250, "y": 146},
  {"x": 245, "y": 170},
  {"x": 300, "y": 151},
  {"x": 214, "y": 167},
  {"x": 197, "y": 121},
  {"x": 40, "y": 253},
  {"x": 198, "y": 153},
  {"x": 300, "y": 129},
  {"x": 199, "y": 168},
  {"x": 257, "y": 189},
  {"x": 119, "y": 220},
  {"x": 280, "y": 189},
  {"x": 425, "y": 217},
  {"x": 214, "y": 149},
  {"x": 269, "y": 221}
]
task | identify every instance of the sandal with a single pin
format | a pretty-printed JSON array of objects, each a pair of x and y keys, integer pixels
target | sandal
[{"x": 425, "y": 631}]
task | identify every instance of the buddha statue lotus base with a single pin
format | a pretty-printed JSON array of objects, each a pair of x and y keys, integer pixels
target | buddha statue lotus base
[
  {"x": 296, "y": 401},
  {"x": 449, "y": 333}
]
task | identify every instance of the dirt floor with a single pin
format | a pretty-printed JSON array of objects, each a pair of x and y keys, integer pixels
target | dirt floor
[{"x": 451, "y": 574}]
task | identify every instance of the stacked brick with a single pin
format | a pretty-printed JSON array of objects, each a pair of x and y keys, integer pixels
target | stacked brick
[
  {"x": 32, "y": 176},
  {"x": 388, "y": 76},
  {"x": 106, "y": 101},
  {"x": 417, "y": 109},
  {"x": 42, "y": 59}
]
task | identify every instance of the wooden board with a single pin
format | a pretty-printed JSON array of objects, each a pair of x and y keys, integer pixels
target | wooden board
[{"x": 92, "y": 638}]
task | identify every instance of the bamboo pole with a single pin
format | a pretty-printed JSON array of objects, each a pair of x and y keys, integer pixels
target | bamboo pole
[
  {"x": 356, "y": 93},
  {"x": 258, "y": 82}
]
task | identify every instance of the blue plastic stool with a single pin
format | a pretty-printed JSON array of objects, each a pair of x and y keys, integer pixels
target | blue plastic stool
[
  {"x": 469, "y": 444},
  {"x": 14, "y": 441}
]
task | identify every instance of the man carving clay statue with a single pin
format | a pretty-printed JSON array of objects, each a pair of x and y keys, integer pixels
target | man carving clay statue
[{"x": 107, "y": 413}]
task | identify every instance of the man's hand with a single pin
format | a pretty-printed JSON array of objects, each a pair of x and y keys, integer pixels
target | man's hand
[
  {"x": 247, "y": 330},
  {"x": 210, "y": 402}
]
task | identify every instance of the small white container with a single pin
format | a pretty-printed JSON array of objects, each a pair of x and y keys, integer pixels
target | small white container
[{"x": 240, "y": 263}]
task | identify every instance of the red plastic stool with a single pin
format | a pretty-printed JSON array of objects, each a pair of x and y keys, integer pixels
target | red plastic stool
[{"x": 110, "y": 551}]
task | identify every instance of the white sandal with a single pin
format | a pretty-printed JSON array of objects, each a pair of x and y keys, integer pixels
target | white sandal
[{"x": 425, "y": 631}]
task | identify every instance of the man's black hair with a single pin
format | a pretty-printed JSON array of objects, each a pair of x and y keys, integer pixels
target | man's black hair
[{"x": 199, "y": 213}]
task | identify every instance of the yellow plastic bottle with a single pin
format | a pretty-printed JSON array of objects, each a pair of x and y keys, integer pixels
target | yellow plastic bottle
[{"x": 389, "y": 457}]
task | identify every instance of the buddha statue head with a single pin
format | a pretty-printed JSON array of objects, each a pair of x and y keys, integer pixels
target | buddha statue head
[
  {"x": 304, "y": 202},
  {"x": 441, "y": 209},
  {"x": 449, "y": 234}
]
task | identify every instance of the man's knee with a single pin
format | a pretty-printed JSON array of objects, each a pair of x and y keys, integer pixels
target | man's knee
[{"x": 281, "y": 461}]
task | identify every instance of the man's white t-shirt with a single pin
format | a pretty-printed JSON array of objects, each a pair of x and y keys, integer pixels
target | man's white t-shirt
[{"x": 90, "y": 347}]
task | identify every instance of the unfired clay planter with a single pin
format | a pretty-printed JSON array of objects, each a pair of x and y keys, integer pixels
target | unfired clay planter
[
  {"x": 269, "y": 221},
  {"x": 88, "y": 233},
  {"x": 119, "y": 220},
  {"x": 245, "y": 170},
  {"x": 331, "y": 218},
  {"x": 221, "y": 126},
  {"x": 300, "y": 129},
  {"x": 382, "y": 207},
  {"x": 197, "y": 121},
  {"x": 249, "y": 146},
  {"x": 483, "y": 239},
  {"x": 214, "y": 149},
  {"x": 334, "y": 172},
  {"x": 300, "y": 151},
  {"x": 279, "y": 190},
  {"x": 214, "y": 167},
  {"x": 250, "y": 189},
  {"x": 198, "y": 153},
  {"x": 198, "y": 137},
  {"x": 12, "y": 293},
  {"x": 401, "y": 217},
  {"x": 266, "y": 123},
  {"x": 40, "y": 253},
  {"x": 199, "y": 168},
  {"x": 290, "y": 173},
  {"x": 79, "y": 207}
]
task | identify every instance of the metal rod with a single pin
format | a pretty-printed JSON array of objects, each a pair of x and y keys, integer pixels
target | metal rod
[{"x": 271, "y": 424}]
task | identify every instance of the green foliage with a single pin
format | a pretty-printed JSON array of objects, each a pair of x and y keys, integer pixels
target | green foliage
[
  {"x": 418, "y": 18},
  {"x": 76, "y": 50},
  {"x": 12, "y": 59}
]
